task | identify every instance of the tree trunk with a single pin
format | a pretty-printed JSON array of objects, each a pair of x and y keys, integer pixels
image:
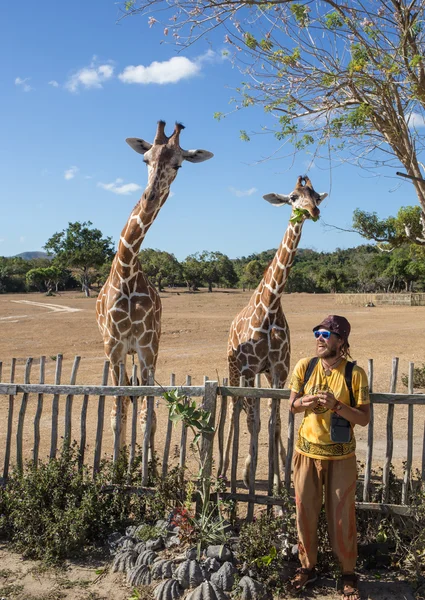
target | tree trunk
[{"x": 209, "y": 286}]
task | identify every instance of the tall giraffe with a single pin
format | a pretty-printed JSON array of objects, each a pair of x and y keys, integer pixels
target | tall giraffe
[
  {"x": 259, "y": 335},
  {"x": 128, "y": 307}
]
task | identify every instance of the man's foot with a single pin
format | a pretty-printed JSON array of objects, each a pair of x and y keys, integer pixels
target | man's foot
[
  {"x": 302, "y": 578},
  {"x": 349, "y": 587}
]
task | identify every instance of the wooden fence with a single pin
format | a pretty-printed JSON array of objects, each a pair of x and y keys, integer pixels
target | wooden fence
[{"x": 214, "y": 398}]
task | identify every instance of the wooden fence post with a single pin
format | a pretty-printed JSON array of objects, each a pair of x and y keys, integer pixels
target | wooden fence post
[
  {"x": 68, "y": 403},
  {"x": 168, "y": 434},
  {"x": 207, "y": 439},
  {"x": 119, "y": 420},
  {"x": 38, "y": 413},
  {"x": 390, "y": 434},
  {"x": 9, "y": 423},
  {"x": 133, "y": 421},
  {"x": 100, "y": 422},
  {"x": 369, "y": 450},
  {"x": 147, "y": 434},
  {"x": 55, "y": 408},
  {"x": 20, "y": 429},
  {"x": 254, "y": 449},
  {"x": 406, "y": 478}
]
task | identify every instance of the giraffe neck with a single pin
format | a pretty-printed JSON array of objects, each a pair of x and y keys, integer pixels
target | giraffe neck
[
  {"x": 136, "y": 228},
  {"x": 276, "y": 276}
]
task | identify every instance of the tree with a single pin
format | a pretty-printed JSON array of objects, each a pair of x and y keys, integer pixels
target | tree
[
  {"x": 392, "y": 232},
  {"x": 252, "y": 273},
  {"x": 82, "y": 249},
  {"x": 45, "y": 278},
  {"x": 345, "y": 79},
  {"x": 217, "y": 268},
  {"x": 192, "y": 271},
  {"x": 161, "y": 267}
]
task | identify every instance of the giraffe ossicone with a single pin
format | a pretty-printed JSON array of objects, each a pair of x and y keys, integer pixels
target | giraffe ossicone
[
  {"x": 259, "y": 339},
  {"x": 128, "y": 307}
]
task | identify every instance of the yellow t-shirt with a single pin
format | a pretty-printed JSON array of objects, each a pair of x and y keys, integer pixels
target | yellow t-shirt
[{"x": 314, "y": 438}]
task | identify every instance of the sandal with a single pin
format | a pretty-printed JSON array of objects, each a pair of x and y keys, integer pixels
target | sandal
[
  {"x": 349, "y": 587},
  {"x": 302, "y": 578}
]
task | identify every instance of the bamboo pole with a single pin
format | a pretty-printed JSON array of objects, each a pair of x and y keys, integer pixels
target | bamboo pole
[
  {"x": 119, "y": 419},
  {"x": 69, "y": 401},
  {"x": 290, "y": 449},
  {"x": 21, "y": 418},
  {"x": 147, "y": 433},
  {"x": 254, "y": 448},
  {"x": 408, "y": 469},
  {"x": 9, "y": 423},
  {"x": 55, "y": 408},
  {"x": 369, "y": 450},
  {"x": 390, "y": 435},
  {"x": 100, "y": 423},
  {"x": 235, "y": 447},
  {"x": 133, "y": 422},
  {"x": 168, "y": 434},
  {"x": 183, "y": 439},
  {"x": 38, "y": 413}
]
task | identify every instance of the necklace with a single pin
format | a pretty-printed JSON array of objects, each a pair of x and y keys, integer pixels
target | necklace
[{"x": 328, "y": 368}]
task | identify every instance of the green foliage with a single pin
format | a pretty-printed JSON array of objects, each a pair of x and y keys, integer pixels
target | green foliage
[
  {"x": 81, "y": 249},
  {"x": 147, "y": 532},
  {"x": 333, "y": 20},
  {"x": 180, "y": 409},
  {"x": 54, "y": 510},
  {"x": 418, "y": 377},
  {"x": 300, "y": 13},
  {"x": 162, "y": 268},
  {"x": 299, "y": 214},
  {"x": 250, "y": 41},
  {"x": 244, "y": 136}
]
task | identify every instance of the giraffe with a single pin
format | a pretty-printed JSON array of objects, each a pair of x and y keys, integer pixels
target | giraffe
[
  {"x": 128, "y": 307},
  {"x": 259, "y": 335}
]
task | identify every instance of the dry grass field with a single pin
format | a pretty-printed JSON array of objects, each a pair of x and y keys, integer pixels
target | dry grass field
[{"x": 194, "y": 338}]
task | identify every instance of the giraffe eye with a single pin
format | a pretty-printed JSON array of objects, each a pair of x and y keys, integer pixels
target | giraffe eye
[{"x": 176, "y": 167}]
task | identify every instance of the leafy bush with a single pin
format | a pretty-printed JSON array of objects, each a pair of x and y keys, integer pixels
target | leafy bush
[{"x": 418, "y": 377}]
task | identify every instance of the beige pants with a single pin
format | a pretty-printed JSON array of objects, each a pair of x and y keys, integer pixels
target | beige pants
[{"x": 338, "y": 478}]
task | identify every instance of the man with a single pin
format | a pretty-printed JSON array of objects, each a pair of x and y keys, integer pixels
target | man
[{"x": 325, "y": 450}]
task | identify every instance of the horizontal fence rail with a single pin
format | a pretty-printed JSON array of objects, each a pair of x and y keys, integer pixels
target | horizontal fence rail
[{"x": 216, "y": 399}]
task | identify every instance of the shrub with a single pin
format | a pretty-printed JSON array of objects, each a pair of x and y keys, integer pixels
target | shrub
[{"x": 418, "y": 377}]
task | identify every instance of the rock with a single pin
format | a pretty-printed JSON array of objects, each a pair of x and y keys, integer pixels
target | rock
[
  {"x": 253, "y": 590},
  {"x": 124, "y": 561},
  {"x": 163, "y": 569},
  {"x": 189, "y": 574},
  {"x": 224, "y": 579},
  {"x": 147, "y": 557},
  {"x": 172, "y": 541},
  {"x": 155, "y": 544},
  {"x": 207, "y": 591},
  {"x": 139, "y": 575},
  {"x": 131, "y": 530},
  {"x": 191, "y": 553},
  {"x": 221, "y": 553},
  {"x": 211, "y": 564},
  {"x": 168, "y": 590},
  {"x": 127, "y": 544},
  {"x": 140, "y": 547}
]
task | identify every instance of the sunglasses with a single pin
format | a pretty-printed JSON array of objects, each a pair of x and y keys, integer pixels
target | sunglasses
[{"x": 324, "y": 334}]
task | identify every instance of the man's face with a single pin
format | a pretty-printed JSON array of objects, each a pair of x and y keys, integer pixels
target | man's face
[{"x": 330, "y": 347}]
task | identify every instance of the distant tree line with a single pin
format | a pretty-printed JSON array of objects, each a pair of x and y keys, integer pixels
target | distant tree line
[{"x": 80, "y": 257}]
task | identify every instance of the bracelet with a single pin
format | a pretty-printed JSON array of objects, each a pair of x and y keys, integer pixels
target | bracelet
[
  {"x": 294, "y": 400},
  {"x": 337, "y": 406}
]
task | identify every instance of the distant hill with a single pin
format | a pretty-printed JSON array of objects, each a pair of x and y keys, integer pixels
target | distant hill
[{"x": 31, "y": 255}]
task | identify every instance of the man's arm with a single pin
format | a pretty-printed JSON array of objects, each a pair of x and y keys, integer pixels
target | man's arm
[
  {"x": 300, "y": 403},
  {"x": 359, "y": 415}
]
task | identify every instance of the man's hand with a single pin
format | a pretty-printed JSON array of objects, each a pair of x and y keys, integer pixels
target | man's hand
[
  {"x": 309, "y": 402},
  {"x": 327, "y": 400}
]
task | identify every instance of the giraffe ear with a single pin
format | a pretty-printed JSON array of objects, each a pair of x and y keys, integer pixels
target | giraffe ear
[
  {"x": 139, "y": 145},
  {"x": 278, "y": 199},
  {"x": 196, "y": 156}
]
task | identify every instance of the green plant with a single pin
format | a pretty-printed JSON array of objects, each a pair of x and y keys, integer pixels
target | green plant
[{"x": 418, "y": 377}]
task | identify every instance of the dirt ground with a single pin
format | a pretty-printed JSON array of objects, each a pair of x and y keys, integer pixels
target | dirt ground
[{"x": 194, "y": 340}]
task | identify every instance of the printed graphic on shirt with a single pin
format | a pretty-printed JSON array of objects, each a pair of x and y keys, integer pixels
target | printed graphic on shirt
[{"x": 314, "y": 438}]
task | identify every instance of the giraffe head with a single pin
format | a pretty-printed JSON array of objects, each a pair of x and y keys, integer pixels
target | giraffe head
[
  {"x": 164, "y": 158},
  {"x": 303, "y": 198}
]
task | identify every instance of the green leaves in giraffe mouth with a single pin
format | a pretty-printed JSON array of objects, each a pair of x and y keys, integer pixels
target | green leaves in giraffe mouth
[{"x": 299, "y": 213}]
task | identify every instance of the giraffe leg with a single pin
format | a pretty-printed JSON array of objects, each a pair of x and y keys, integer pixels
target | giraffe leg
[
  {"x": 118, "y": 429},
  {"x": 229, "y": 438},
  {"x": 254, "y": 425},
  {"x": 143, "y": 419},
  {"x": 279, "y": 452}
]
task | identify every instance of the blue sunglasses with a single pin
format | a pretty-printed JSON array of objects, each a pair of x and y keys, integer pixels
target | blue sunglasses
[{"x": 324, "y": 334}]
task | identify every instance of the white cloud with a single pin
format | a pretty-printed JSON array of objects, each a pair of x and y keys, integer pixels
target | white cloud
[
  {"x": 242, "y": 193},
  {"x": 416, "y": 120},
  {"x": 89, "y": 77},
  {"x": 119, "y": 187},
  {"x": 23, "y": 82},
  {"x": 53, "y": 83},
  {"x": 71, "y": 173},
  {"x": 169, "y": 71}
]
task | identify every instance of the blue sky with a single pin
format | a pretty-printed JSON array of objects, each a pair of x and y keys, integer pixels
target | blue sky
[{"x": 69, "y": 99}]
